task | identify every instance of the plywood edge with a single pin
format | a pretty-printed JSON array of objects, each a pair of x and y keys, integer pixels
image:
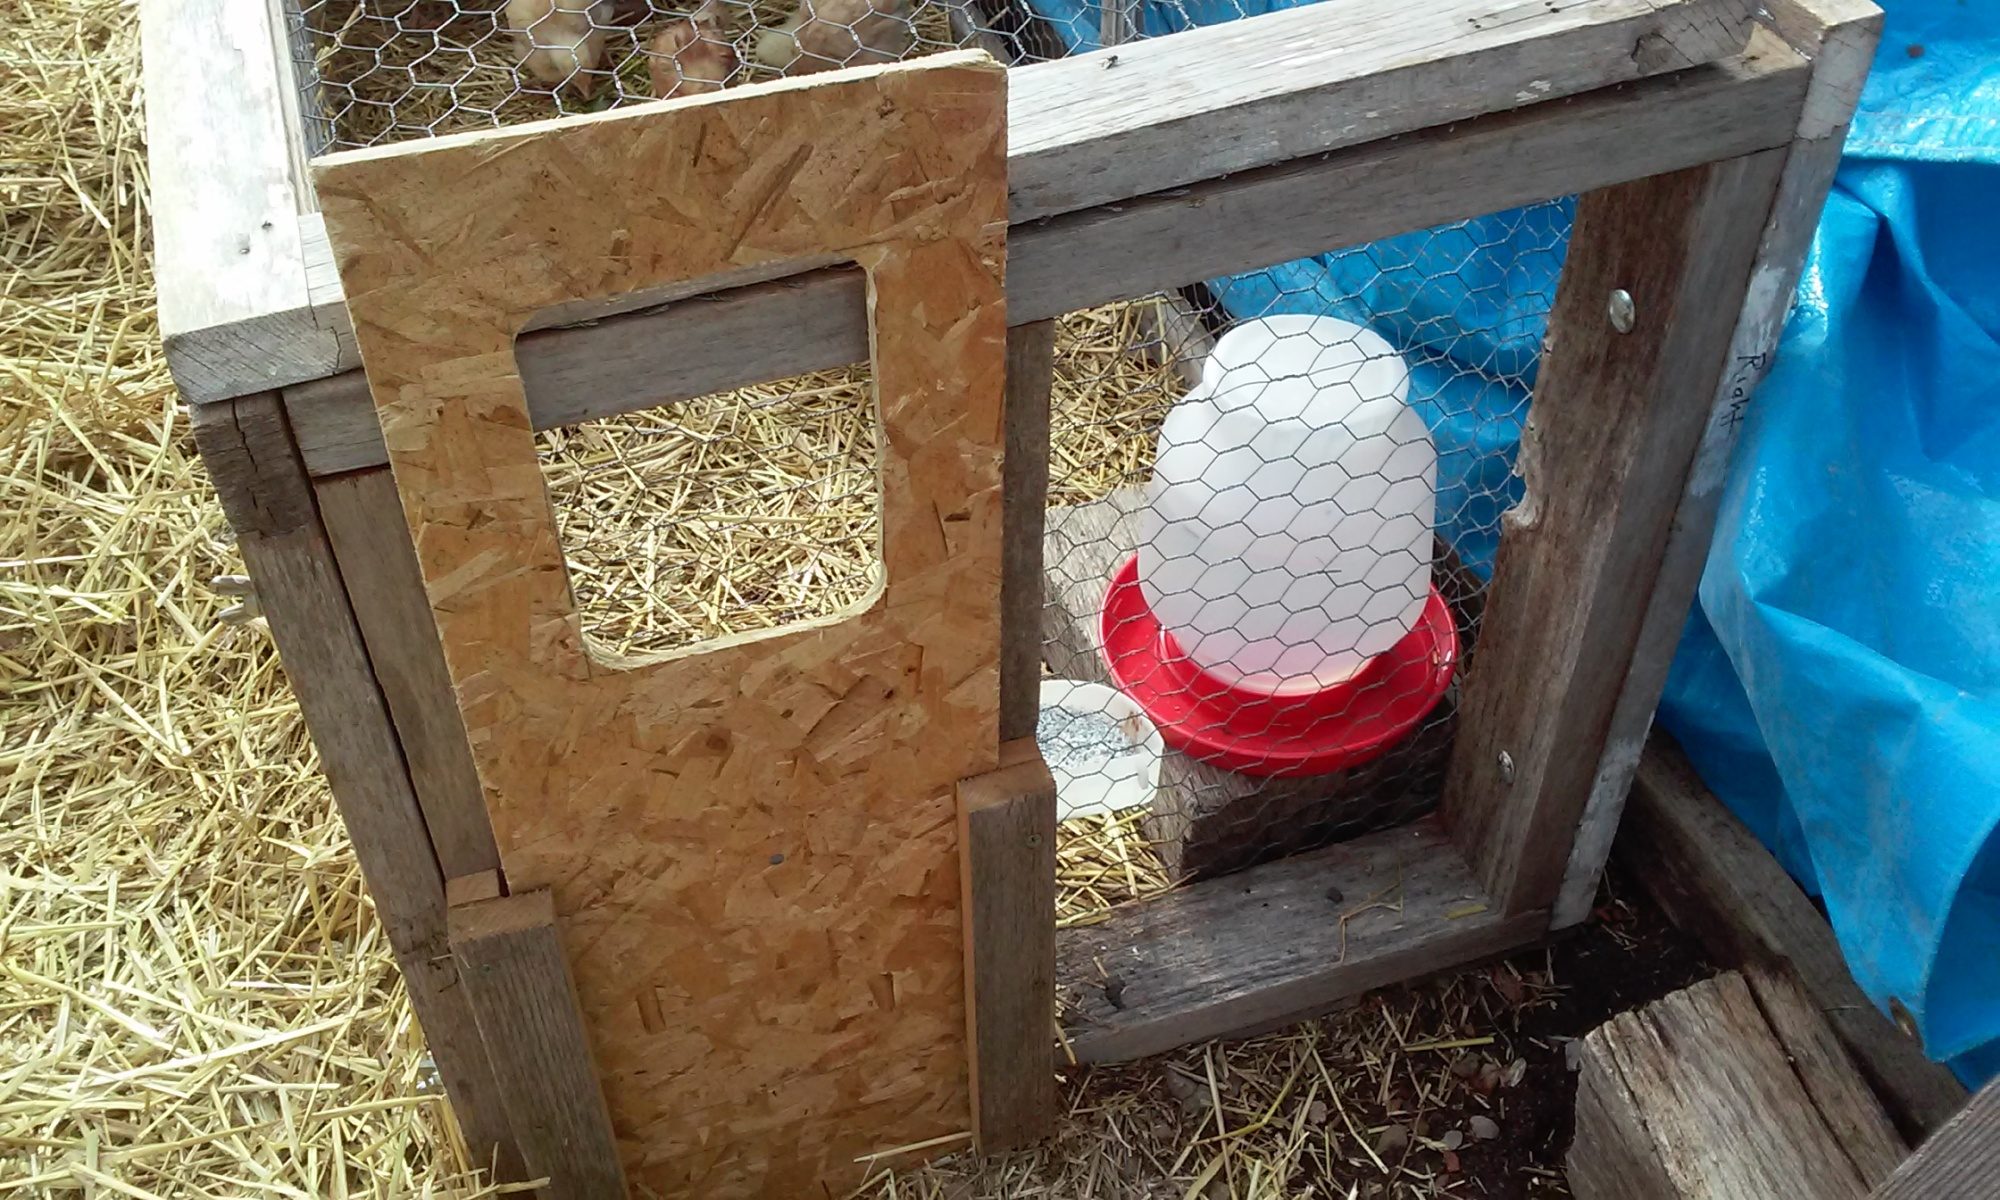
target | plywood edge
[{"x": 1278, "y": 943}]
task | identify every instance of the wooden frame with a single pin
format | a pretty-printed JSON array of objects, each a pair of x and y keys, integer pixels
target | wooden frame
[{"x": 1719, "y": 134}]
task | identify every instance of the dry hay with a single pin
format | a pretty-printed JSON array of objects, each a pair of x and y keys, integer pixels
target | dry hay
[
  {"x": 195, "y": 997},
  {"x": 389, "y": 70}
]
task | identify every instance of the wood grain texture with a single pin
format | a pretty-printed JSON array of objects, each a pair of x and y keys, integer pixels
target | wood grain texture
[
  {"x": 516, "y": 979},
  {"x": 1272, "y": 945},
  {"x": 1691, "y": 1097},
  {"x": 1717, "y": 882},
  {"x": 1167, "y": 112},
  {"x": 1609, "y": 441},
  {"x": 1007, "y": 828},
  {"x": 1206, "y": 103},
  {"x": 1960, "y": 1162},
  {"x": 1840, "y": 53},
  {"x": 753, "y": 844},
  {"x": 364, "y": 521},
  {"x": 817, "y": 320},
  {"x": 1833, "y": 1084},
  {"x": 235, "y": 314},
  {"x": 1031, "y": 364},
  {"x": 269, "y": 502}
]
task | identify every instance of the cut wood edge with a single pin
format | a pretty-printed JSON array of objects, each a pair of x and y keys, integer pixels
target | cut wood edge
[{"x": 1276, "y": 944}]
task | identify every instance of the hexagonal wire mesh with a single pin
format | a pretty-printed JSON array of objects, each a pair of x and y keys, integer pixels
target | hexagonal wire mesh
[{"x": 758, "y": 508}]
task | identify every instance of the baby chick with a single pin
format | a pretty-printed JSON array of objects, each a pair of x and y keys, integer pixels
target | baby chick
[
  {"x": 691, "y": 56},
  {"x": 561, "y": 41},
  {"x": 823, "y": 35}
]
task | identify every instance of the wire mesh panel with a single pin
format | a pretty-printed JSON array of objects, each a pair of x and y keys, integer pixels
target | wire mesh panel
[
  {"x": 731, "y": 513},
  {"x": 1274, "y": 505}
]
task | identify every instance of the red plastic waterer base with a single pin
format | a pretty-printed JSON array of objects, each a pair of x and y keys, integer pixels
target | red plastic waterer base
[{"x": 1254, "y": 733}]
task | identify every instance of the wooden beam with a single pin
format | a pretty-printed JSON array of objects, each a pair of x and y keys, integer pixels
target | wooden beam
[
  {"x": 1960, "y": 1162},
  {"x": 1610, "y": 439},
  {"x": 1691, "y": 1098},
  {"x": 1275, "y": 944},
  {"x": 1717, "y": 882},
  {"x": 1846, "y": 1106},
  {"x": 229, "y": 264},
  {"x": 517, "y": 983},
  {"x": 1086, "y": 132},
  {"x": 1007, "y": 837},
  {"x": 811, "y": 322},
  {"x": 364, "y": 521},
  {"x": 269, "y": 502},
  {"x": 1839, "y": 36},
  {"x": 1024, "y": 488}
]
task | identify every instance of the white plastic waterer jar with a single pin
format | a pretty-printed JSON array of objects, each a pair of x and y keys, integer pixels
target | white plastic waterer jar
[{"x": 1287, "y": 539}]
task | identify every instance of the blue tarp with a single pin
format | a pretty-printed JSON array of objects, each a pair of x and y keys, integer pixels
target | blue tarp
[{"x": 1839, "y": 681}]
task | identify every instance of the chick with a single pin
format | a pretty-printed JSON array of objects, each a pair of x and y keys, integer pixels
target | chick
[
  {"x": 561, "y": 41},
  {"x": 691, "y": 56},
  {"x": 826, "y": 34}
]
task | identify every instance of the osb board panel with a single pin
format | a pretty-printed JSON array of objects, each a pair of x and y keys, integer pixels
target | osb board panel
[{"x": 752, "y": 844}]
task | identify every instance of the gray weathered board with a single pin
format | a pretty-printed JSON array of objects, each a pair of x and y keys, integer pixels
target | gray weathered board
[{"x": 1086, "y": 131}]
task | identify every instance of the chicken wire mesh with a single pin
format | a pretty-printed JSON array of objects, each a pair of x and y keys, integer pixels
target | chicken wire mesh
[{"x": 376, "y": 71}]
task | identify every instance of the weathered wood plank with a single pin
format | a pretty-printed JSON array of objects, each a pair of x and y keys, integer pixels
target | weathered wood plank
[
  {"x": 1610, "y": 439},
  {"x": 235, "y": 314},
  {"x": 1714, "y": 879},
  {"x": 1272, "y": 88},
  {"x": 517, "y": 983},
  {"x": 1275, "y": 944},
  {"x": 814, "y": 321},
  {"x": 1840, "y": 49},
  {"x": 1170, "y": 111},
  {"x": 1007, "y": 836},
  {"x": 1850, "y": 1112},
  {"x": 364, "y": 520},
  {"x": 268, "y": 499},
  {"x": 1691, "y": 1097},
  {"x": 1024, "y": 491},
  {"x": 1959, "y": 1162}
]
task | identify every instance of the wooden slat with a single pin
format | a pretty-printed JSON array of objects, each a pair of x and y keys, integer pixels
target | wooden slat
[
  {"x": 1171, "y": 111},
  {"x": 1840, "y": 45},
  {"x": 1275, "y": 944},
  {"x": 364, "y": 520},
  {"x": 516, "y": 980},
  {"x": 1715, "y": 881},
  {"x": 1007, "y": 837},
  {"x": 235, "y": 313},
  {"x": 1691, "y": 1098},
  {"x": 1175, "y": 111},
  {"x": 1024, "y": 486},
  {"x": 1960, "y": 1162},
  {"x": 816, "y": 321},
  {"x": 1831, "y": 1080},
  {"x": 1610, "y": 438},
  {"x": 269, "y": 502}
]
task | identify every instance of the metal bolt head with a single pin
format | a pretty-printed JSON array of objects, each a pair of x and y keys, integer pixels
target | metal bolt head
[
  {"x": 1624, "y": 314},
  {"x": 1506, "y": 767}
]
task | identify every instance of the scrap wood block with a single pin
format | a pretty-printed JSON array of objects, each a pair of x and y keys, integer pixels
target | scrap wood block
[
  {"x": 1697, "y": 1096},
  {"x": 1207, "y": 820}
]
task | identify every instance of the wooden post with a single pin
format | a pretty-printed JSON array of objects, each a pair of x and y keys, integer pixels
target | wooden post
[
  {"x": 1839, "y": 36},
  {"x": 1007, "y": 836},
  {"x": 1692, "y": 1098},
  {"x": 264, "y": 491},
  {"x": 1024, "y": 490},
  {"x": 1656, "y": 273},
  {"x": 517, "y": 983}
]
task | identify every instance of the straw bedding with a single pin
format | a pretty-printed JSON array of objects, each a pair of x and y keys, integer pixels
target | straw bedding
[{"x": 195, "y": 997}]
